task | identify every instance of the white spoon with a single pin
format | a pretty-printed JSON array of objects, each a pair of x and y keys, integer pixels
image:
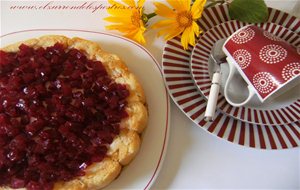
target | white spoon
[{"x": 218, "y": 57}]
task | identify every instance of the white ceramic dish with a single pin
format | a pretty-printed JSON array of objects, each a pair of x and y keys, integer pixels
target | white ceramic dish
[{"x": 142, "y": 172}]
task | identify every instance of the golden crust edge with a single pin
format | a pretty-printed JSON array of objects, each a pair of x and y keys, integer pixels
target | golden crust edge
[{"x": 136, "y": 102}]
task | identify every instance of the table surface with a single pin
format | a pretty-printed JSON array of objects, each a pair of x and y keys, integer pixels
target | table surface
[{"x": 194, "y": 159}]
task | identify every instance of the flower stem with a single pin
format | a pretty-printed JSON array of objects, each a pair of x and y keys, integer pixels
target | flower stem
[{"x": 149, "y": 16}]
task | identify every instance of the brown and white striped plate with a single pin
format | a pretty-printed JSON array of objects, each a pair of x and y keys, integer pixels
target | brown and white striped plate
[
  {"x": 184, "y": 92},
  {"x": 281, "y": 110}
]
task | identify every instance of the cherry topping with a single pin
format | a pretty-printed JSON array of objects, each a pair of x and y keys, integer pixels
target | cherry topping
[{"x": 59, "y": 111}]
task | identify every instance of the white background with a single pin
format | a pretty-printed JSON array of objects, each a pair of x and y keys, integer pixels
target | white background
[{"x": 195, "y": 159}]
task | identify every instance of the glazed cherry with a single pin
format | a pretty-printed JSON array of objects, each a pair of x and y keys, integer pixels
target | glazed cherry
[{"x": 59, "y": 111}]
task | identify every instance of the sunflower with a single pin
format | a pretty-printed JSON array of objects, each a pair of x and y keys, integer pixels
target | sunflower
[
  {"x": 181, "y": 19},
  {"x": 128, "y": 19}
]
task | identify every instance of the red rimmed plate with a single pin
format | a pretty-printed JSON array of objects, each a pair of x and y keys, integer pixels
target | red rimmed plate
[
  {"x": 185, "y": 93},
  {"x": 281, "y": 110}
]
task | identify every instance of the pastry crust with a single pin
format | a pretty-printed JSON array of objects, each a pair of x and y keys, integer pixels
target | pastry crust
[{"x": 126, "y": 145}]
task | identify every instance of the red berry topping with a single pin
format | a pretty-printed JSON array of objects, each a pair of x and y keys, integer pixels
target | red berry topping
[{"x": 59, "y": 111}]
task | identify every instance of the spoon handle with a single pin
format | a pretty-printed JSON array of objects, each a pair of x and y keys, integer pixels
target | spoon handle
[{"x": 213, "y": 97}]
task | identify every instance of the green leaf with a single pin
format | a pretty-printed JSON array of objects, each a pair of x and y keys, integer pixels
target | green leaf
[{"x": 252, "y": 11}]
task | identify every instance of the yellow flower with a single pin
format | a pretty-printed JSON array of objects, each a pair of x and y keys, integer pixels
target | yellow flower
[
  {"x": 128, "y": 19},
  {"x": 181, "y": 19}
]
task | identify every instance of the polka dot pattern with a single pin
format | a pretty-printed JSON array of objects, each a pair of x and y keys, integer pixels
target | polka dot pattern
[
  {"x": 242, "y": 57},
  {"x": 272, "y": 54},
  {"x": 263, "y": 82},
  {"x": 243, "y": 36},
  {"x": 271, "y": 36},
  {"x": 290, "y": 71}
]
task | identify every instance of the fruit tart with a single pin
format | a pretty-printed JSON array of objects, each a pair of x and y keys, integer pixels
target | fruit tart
[{"x": 71, "y": 114}]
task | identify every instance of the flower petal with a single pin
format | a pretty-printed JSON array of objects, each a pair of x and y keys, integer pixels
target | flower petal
[
  {"x": 137, "y": 35},
  {"x": 197, "y": 8},
  {"x": 121, "y": 28},
  {"x": 114, "y": 19},
  {"x": 180, "y": 5},
  {"x": 164, "y": 31},
  {"x": 140, "y": 3},
  {"x": 119, "y": 12},
  {"x": 164, "y": 11},
  {"x": 187, "y": 38},
  {"x": 170, "y": 32},
  {"x": 127, "y": 19},
  {"x": 112, "y": 2},
  {"x": 196, "y": 29},
  {"x": 174, "y": 33},
  {"x": 186, "y": 4},
  {"x": 130, "y": 3},
  {"x": 164, "y": 23}
]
